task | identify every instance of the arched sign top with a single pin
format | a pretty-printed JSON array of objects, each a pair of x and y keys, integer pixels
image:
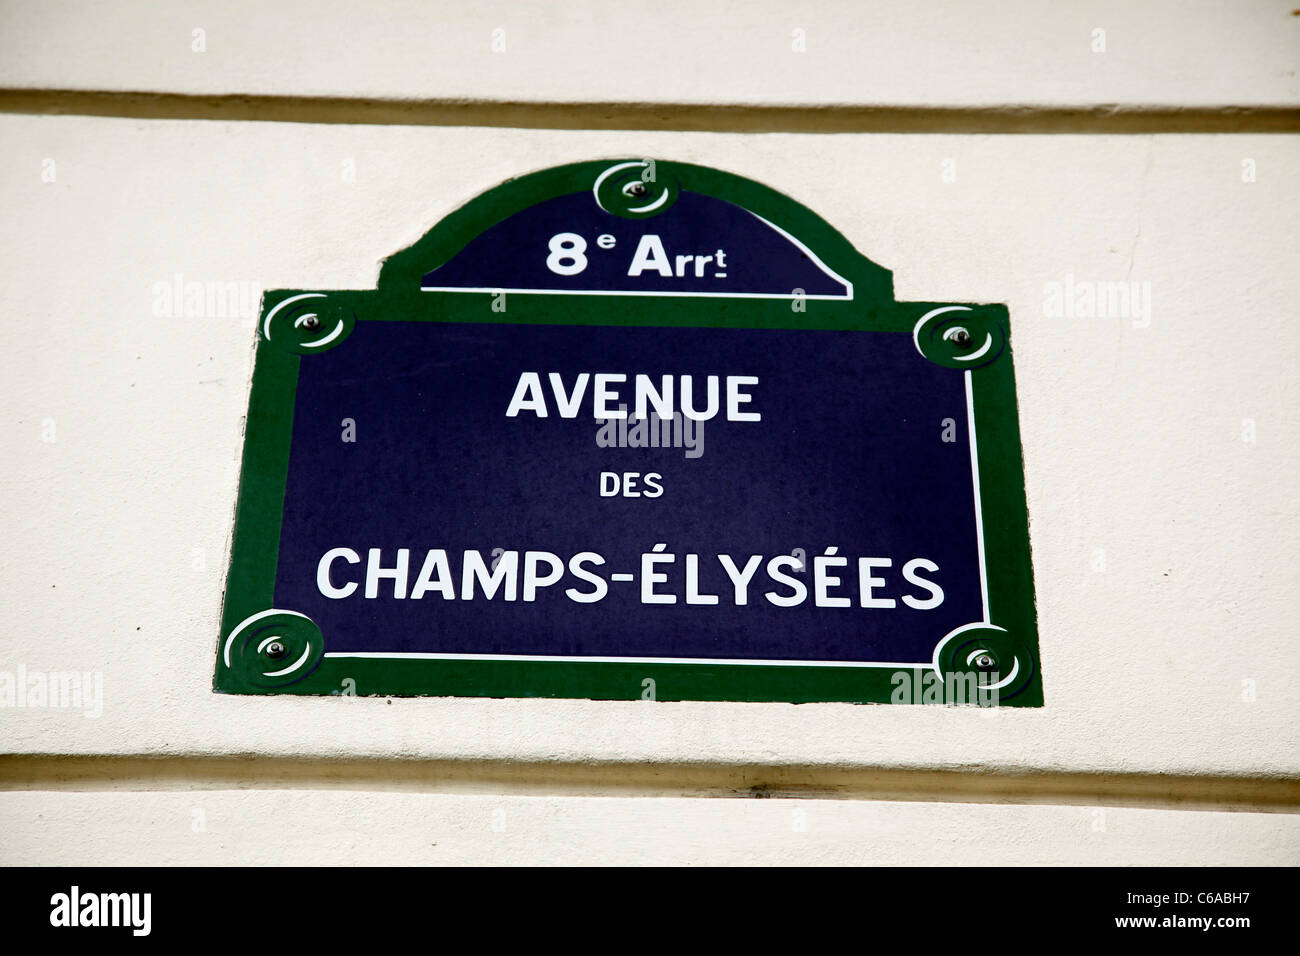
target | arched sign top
[{"x": 638, "y": 228}]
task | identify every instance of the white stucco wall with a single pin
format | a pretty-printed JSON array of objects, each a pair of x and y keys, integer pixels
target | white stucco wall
[
  {"x": 1160, "y": 450},
  {"x": 925, "y": 53}
]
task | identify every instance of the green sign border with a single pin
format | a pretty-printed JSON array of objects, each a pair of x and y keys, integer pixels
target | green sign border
[{"x": 263, "y": 650}]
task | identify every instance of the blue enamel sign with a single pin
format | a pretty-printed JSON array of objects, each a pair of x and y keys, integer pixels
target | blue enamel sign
[{"x": 632, "y": 430}]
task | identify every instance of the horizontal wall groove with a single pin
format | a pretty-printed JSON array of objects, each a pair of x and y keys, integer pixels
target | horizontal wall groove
[
  {"x": 683, "y": 117},
  {"x": 615, "y": 779}
]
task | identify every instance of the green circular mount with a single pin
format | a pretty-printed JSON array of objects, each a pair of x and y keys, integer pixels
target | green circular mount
[
  {"x": 960, "y": 336},
  {"x": 307, "y": 323},
  {"x": 1001, "y": 667},
  {"x": 273, "y": 648},
  {"x": 635, "y": 189}
]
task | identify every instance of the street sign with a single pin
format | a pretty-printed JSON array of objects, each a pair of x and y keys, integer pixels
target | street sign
[{"x": 632, "y": 430}]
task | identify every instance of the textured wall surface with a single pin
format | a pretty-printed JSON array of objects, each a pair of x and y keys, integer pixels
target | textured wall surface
[{"x": 1160, "y": 445}]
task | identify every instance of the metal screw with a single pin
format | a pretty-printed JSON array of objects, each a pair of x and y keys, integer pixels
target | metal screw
[
  {"x": 984, "y": 662},
  {"x": 275, "y": 650},
  {"x": 311, "y": 322},
  {"x": 961, "y": 337}
]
